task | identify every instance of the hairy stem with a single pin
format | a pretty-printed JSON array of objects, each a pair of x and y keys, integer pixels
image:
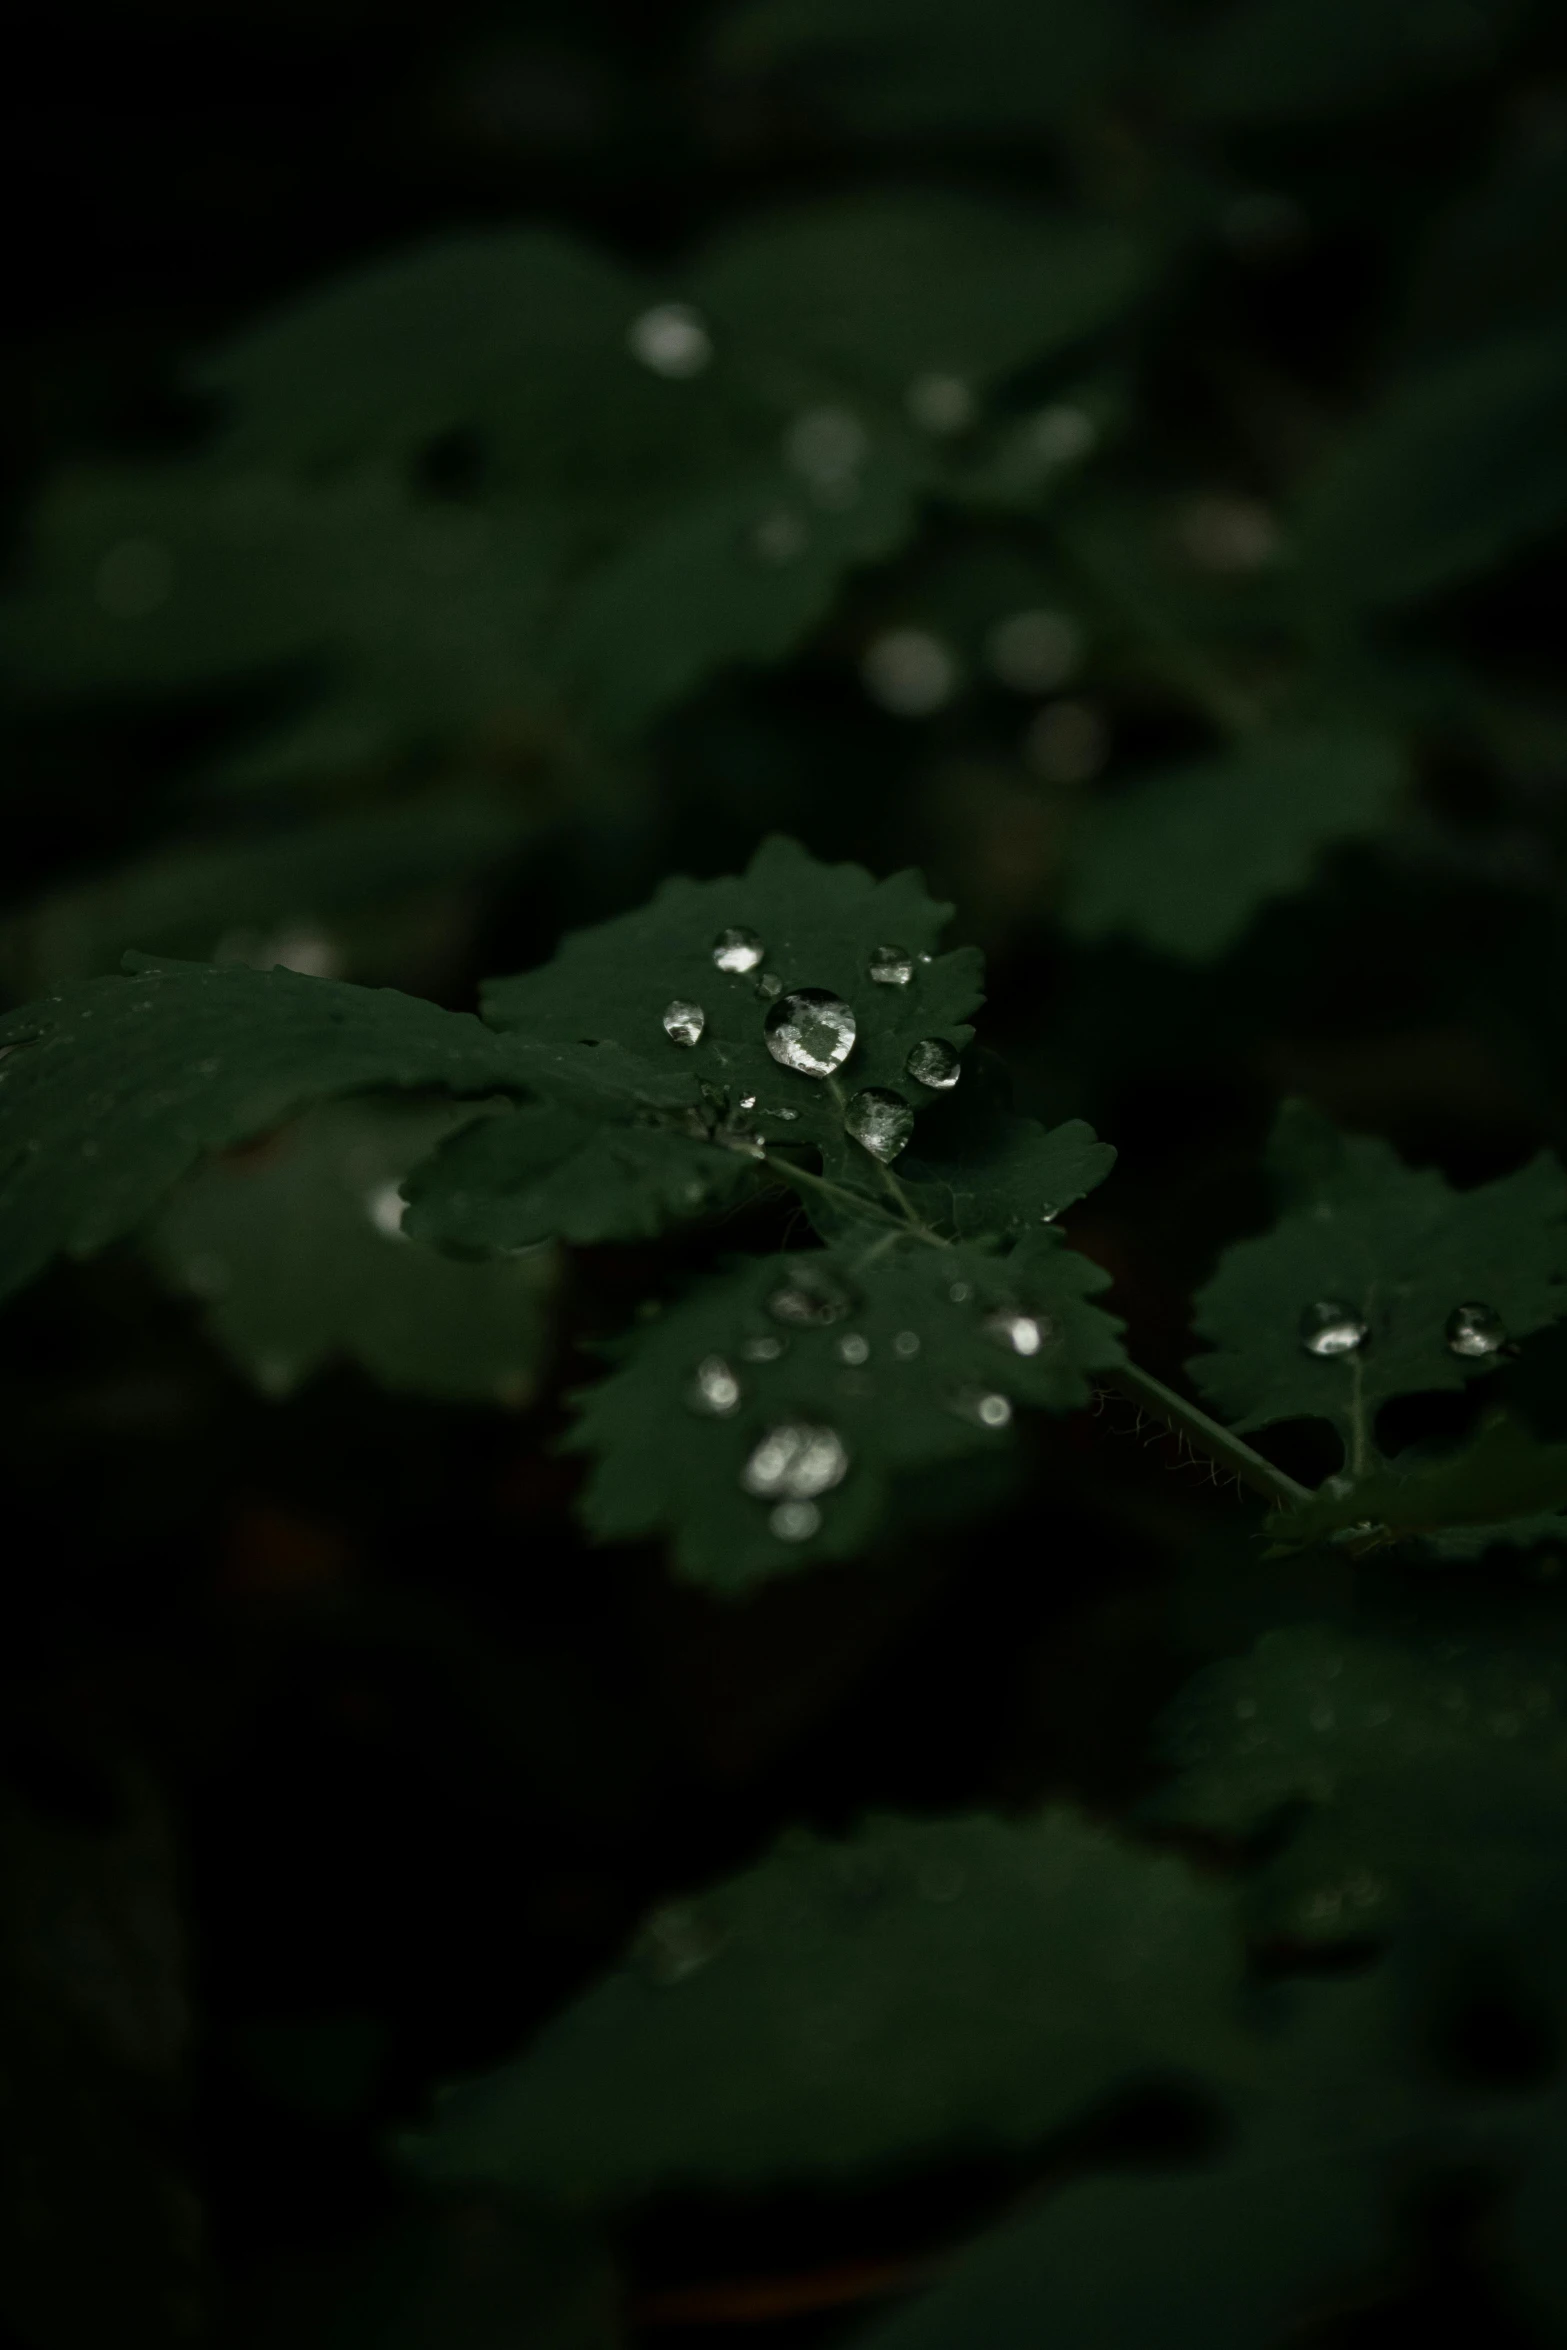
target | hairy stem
[{"x": 1211, "y": 1436}]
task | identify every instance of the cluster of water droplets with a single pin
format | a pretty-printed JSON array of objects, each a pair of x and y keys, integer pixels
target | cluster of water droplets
[{"x": 1329, "y": 1328}]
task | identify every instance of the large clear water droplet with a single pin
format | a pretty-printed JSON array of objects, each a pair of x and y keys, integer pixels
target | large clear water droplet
[
  {"x": 1025, "y": 1334},
  {"x": 671, "y": 339},
  {"x": 891, "y": 966},
  {"x": 715, "y": 1389},
  {"x": 811, "y": 1030},
  {"x": 1475, "y": 1331},
  {"x": 1329, "y": 1328},
  {"x": 795, "y": 1521},
  {"x": 935, "y": 1063},
  {"x": 880, "y": 1122},
  {"x": 810, "y": 1298},
  {"x": 795, "y": 1461},
  {"x": 684, "y": 1023},
  {"x": 737, "y": 950}
]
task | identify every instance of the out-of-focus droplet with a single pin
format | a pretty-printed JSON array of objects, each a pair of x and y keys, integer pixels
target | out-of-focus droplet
[
  {"x": 827, "y": 447},
  {"x": 811, "y": 1297},
  {"x": 960, "y": 1292},
  {"x": 674, "y": 1943},
  {"x": 987, "y": 1409},
  {"x": 890, "y": 966},
  {"x": 795, "y": 1521},
  {"x": 671, "y": 339},
  {"x": 909, "y": 672},
  {"x": 737, "y": 950},
  {"x": 1067, "y": 743},
  {"x": 1025, "y": 1334},
  {"x": 941, "y": 404},
  {"x": 780, "y": 536},
  {"x": 795, "y": 1461},
  {"x": 880, "y": 1121},
  {"x": 810, "y": 1031},
  {"x": 1230, "y": 535},
  {"x": 1033, "y": 652},
  {"x": 134, "y": 579},
  {"x": 1475, "y": 1331},
  {"x": 906, "y": 1345},
  {"x": 386, "y": 1207},
  {"x": 1329, "y": 1328},
  {"x": 853, "y": 1348},
  {"x": 684, "y": 1023},
  {"x": 762, "y": 1350},
  {"x": 1061, "y": 434},
  {"x": 935, "y": 1063},
  {"x": 715, "y": 1390}
]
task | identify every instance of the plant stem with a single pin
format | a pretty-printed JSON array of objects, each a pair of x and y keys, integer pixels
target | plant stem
[{"x": 1219, "y": 1442}]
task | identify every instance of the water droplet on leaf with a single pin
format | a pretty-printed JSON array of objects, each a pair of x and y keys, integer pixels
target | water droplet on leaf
[
  {"x": 990, "y": 1410},
  {"x": 795, "y": 1461},
  {"x": 684, "y": 1023},
  {"x": 811, "y": 1298},
  {"x": 715, "y": 1389},
  {"x": 909, "y": 672},
  {"x": 737, "y": 950},
  {"x": 881, "y": 1122},
  {"x": 1328, "y": 1328},
  {"x": 769, "y": 986},
  {"x": 891, "y": 966},
  {"x": 781, "y": 536},
  {"x": 762, "y": 1350},
  {"x": 795, "y": 1521},
  {"x": 810, "y": 1030},
  {"x": 671, "y": 339},
  {"x": 1023, "y": 1333},
  {"x": 852, "y": 1348},
  {"x": 935, "y": 1063},
  {"x": 940, "y": 404},
  {"x": 386, "y": 1208},
  {"x": 1475, "y": 1332},
  {"x": 906, "y": 1345}
]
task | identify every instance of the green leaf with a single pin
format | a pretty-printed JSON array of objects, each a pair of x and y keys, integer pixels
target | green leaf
[
  {"x": 915, "y": 69},
  {"x": 1432, "y": 1773},
  {"x": 904, "y": 1365},
  {"x": 1285, "y": 60},
  {"x": 297, "y": 1251},
  {"x": 1504, "y": 1475},
  {"x": 111, "y": 1089},
  {"x": 740, "y": 575},
  {"x": 593, "y": 1018},
  {"x": 191, "y": 897},
  {"x": 544, "y": 1172},
  {"x": 979, "y": 1170},
  {"x": 1457, "y": 467},
  {"x": 1400, "y": 1250},
  {"x": 924, "y": 1988},
  {"x": 1186, "y": 860},
  {"x": 1231, "y": 2256},
  {"x": 879, "y": 290}
]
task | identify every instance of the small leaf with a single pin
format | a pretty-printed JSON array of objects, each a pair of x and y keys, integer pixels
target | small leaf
[
  {"x": 299, "y": 1256},
  {"x": 1457, "y": 467},
  {"x": 1503, "y": 1475},
  {"x": 924, "y": 1988},
  {"x": 981, "y": 1171},
  {"x": 1399, "y": 1251},
  {"x": 1186, "y": 860},
  {"x": 543, "y": 1172},
  {"x": 111, "y": 1089},
  {"x": 593, "y": 1018},
  {"x": 914, "y": 1360}
]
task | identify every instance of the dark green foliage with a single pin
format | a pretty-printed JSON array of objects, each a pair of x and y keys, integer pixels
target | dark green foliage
[{"x": 921, "y": 1987}]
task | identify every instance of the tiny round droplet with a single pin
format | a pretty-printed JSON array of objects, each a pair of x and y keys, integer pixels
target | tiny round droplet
[
  {"x": 684, "y": 1023},
  {"x": 935, "y": 1063},
  {"x": 940, "y": 404},
  {"x": 891, "y": 966},
  {"x": 737, "y": 950},
  {"x": 386, "y": 1208},
  {"x": 852, "y": 1348},
  {"x": 811, "y": 1298},
  {"x": 794, "y": 1462},
  {"x": 715, "y": 1389},
  {"x": 1475, "y": 1332},
  {"x": 795, "y": 1521},
  {"x": 990, "y": 1410},
  {"x": 910, "y": 672},
  {"x": 671, "y": 339},
  {"x": 906, "y": 1345},
  {"x": 1023, "y": 1333},
  {"x": 811, "y": 1031},
  {"x": 769, "y": 986},
  {"x": 960, "y": 1292},
  {"x": 880, "y": 1121},
  {"x": 762, "y": 1350},
  {"x": 1328, "y": 1328}
]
